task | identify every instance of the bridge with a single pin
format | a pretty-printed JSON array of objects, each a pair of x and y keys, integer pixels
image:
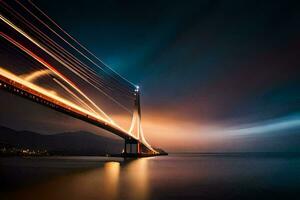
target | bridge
[{"x": 58, "y": 65}]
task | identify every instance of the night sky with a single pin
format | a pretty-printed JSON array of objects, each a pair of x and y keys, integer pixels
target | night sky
[{"x": 214, "y": 75}]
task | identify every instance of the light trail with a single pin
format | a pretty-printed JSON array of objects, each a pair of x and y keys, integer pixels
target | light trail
[
  {"x": 45, "y": 92},
  {"x": 40, "y": 73},
  {"x": 65, "y": 55},
  {"x": 78, "y": 43},
  {"x": 38, "y": 89},
  {"x": 74, "y": 95},
  {"x": 35, "y": 75},
  {"x": 47, "y": 65},
  {"x": 143, "y": 139},
  {"x": 132, "y": 122},
  {"x": 72, "y": 46},
  {"x": 68, "y": 66}
]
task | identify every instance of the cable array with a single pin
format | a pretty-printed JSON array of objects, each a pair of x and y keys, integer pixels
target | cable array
[{"x": 62, "y": 47}]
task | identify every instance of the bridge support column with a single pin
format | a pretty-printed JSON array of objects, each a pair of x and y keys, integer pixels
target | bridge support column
[{"x": 131, "y": 148}]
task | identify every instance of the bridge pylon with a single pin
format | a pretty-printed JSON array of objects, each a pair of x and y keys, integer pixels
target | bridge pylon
[{"x": 134, "y": 147}]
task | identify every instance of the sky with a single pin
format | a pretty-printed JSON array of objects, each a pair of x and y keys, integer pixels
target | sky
[{"x": 214, "y": 75}]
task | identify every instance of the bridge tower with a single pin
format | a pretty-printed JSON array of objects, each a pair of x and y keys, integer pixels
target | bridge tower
[{"x": 133, "y": 147}]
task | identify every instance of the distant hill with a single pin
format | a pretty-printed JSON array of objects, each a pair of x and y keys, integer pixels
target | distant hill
[{"x": 69, "y": 143}]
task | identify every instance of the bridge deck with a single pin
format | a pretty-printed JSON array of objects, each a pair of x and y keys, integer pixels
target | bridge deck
[{"x": 28, "y": 93}]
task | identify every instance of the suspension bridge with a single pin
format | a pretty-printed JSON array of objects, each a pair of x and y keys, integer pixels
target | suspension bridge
[{"x": 41, "y": 62}]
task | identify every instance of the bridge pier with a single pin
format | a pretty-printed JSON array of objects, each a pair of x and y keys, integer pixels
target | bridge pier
[{"x": 131, "y": 148}]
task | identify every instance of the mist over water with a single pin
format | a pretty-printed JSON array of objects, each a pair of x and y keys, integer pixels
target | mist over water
[{"x": 178, "y": 176}]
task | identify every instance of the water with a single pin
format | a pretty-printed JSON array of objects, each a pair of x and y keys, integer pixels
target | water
[{"x": 185, "y": 176}]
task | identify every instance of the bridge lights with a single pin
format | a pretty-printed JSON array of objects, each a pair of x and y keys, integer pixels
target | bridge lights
[{"x": 137, "y": 88}]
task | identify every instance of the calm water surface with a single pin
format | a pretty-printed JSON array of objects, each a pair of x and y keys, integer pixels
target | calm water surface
[{"x": 185, "y": 176}]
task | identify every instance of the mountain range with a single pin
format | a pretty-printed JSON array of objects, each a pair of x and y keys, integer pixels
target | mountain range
[{"x": 68, "y": 143}]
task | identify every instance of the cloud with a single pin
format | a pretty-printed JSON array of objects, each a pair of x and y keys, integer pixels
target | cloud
[{"x": 267, "y": 127}]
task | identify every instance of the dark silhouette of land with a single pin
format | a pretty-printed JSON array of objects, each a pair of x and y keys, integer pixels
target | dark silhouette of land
[{"x": 68, "y": 143}]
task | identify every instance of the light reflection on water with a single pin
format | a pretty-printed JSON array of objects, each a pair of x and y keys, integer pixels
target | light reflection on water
[
  {"x": 171, "y": 177},
  {"x": 111, "y": 177},
  {"x": 136, "y": 173},
  {"x": 110, "y": 180}
]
